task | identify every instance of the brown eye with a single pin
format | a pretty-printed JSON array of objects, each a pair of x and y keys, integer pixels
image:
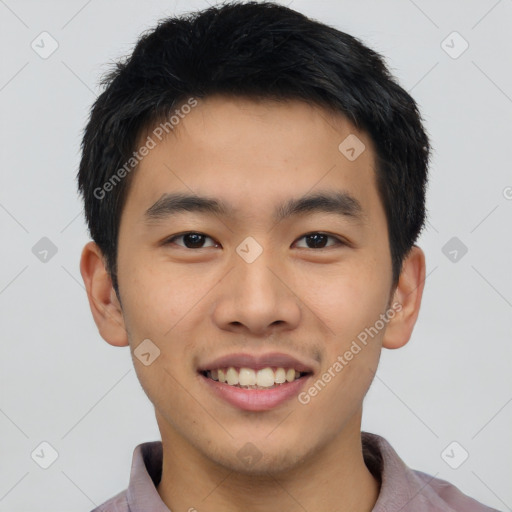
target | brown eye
[
  {"x": 191, "y": 240},
  {"x": 318, "y": 241}
]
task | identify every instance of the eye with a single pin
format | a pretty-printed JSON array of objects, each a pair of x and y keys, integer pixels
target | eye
[
  {"x": 191, "y": 240},
  {"x": 319, "y": 240}
]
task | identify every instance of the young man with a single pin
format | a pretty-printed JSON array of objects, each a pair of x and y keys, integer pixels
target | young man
[{"x": 254, "y": 182}]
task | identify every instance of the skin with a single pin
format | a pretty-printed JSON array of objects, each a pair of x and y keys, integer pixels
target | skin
[{"x": 199, "y": 304}]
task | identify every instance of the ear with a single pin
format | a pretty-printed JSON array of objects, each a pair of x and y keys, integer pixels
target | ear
[
  {"x": 408, "y": 293},
  {"x": 103, "y": 301}
]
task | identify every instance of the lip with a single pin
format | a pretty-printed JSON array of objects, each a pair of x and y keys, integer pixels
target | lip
[
  {"x": 257, "y": 362},
  {"x": 255, "y": 399}
]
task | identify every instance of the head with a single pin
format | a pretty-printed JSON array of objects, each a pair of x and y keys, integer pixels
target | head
[{"x": 244, "y": 114}]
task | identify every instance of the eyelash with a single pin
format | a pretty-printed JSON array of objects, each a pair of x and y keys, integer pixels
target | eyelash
[{"x": 339, "y": 242}]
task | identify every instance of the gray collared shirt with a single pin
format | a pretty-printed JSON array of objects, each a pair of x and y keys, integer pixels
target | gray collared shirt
[{"x": 402, "y": 489}]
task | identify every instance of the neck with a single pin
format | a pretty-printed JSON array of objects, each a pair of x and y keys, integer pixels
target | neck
[{"x": 334, "y": 478}]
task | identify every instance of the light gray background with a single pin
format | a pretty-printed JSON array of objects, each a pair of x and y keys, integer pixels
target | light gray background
[{"x": 61, "y": 383}]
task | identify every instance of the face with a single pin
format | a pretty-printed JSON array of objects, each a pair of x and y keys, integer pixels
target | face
[{"x": 255, "y": 273}]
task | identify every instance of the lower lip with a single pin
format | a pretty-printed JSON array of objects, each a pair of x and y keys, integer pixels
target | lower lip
[{"x": 256, "y": 399}]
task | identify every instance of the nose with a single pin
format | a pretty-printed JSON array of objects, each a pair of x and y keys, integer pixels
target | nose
[{"x": 256, "y": 298}]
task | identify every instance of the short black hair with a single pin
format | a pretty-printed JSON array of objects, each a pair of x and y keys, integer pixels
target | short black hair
[{"x": 258, "y": 50}]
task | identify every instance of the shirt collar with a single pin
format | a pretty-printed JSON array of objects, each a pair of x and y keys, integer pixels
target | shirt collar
[
  {"x": 401, "y": 488},
  {"x": 145, "y": 476}
]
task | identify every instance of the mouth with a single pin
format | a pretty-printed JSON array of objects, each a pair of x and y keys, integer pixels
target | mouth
[{"x": 255, "y": 383}]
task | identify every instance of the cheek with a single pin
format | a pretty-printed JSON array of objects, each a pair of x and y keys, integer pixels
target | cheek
[
  {"x": 157, "y": 306},
  {"x": 156, "y": 301},
  {"x": 348, "y": 297},
  {"x": 349, "y": 301}
]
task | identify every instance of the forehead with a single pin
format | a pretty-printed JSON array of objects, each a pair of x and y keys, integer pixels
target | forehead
[{"x": 240, "y": 149}]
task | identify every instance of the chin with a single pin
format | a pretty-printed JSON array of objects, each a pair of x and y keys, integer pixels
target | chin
[{"x": 251, "y": 460}]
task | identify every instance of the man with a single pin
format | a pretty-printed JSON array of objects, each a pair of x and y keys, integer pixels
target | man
[{"x": 254, "y": 182}]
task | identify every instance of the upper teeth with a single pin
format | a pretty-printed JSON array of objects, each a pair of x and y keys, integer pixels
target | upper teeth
[{"x": 265, "y": 377}]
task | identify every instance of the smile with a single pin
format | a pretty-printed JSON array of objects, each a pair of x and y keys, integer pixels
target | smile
[
  {"x": 250, "y": 378},
  {"x": 255, "y": 382}
]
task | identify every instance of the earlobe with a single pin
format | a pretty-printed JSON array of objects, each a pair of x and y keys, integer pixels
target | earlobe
[
  {"x": 105, "y": 307},
  {"x": 408, "y": 294}
]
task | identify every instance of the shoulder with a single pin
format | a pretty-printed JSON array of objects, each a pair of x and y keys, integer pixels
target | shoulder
[
  {"x": 409, "y": 490},
  {"x": 451, "y": 496},
  {"x": 117, "y": 503}
]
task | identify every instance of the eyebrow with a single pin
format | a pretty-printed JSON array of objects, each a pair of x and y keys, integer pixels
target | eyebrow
[{"x": 338, "y": 202}]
